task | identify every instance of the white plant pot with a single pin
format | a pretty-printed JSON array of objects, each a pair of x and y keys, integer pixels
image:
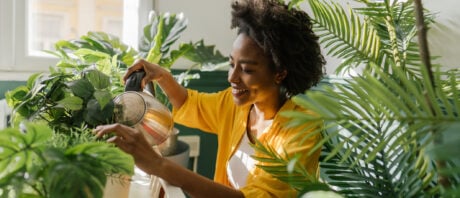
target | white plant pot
[{"x": 117, "y": 186}]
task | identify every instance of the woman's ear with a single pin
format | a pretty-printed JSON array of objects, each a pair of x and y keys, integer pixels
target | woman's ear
[{"x": 280, "y": 76}]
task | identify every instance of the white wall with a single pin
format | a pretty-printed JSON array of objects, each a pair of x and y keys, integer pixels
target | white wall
[
  {"x": 207, "y": 19},
  {"x": 210, "y": 19},
  {"x": 444, "y": 35}
]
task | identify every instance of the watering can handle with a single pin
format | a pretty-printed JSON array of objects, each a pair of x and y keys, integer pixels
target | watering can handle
[{"x": 133, "y": 83}]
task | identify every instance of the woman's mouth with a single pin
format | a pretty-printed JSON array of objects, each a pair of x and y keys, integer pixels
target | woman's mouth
[{"x": 238, "y": 92}]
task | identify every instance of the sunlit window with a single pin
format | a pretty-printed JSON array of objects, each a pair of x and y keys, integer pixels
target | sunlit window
[
  {"x": 53, "y": 20},
  {"x": 28, "y": 27}
]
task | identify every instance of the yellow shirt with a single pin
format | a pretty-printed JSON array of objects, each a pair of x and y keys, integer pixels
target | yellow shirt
[{"x": 216, "y": 113}]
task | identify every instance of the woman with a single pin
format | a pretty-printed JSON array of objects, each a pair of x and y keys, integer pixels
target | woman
[{"x": 275, "y": 56}]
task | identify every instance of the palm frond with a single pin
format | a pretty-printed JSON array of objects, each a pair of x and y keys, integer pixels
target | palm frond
[
  {"x": 394, "y": 22},
  {"x": 379, "y": 125},
  {"x": 344, "y": 34},
  {"x": 390, "y": 173}
]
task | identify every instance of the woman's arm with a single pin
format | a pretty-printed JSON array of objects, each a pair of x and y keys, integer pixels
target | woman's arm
[
  {"x": 134, "y": 143},
  {"x": 175, "y": 92}
]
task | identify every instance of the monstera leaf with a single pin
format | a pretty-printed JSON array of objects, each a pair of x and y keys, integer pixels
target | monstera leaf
[
  {"x": 161, "y": 34},
  {"x": 162, "y": 31}
]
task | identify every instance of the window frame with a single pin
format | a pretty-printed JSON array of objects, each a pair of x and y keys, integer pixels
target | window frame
[{"x": 17, "y": 64}]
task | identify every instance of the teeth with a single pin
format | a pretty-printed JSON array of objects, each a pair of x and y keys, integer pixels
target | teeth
[{"x": 236, "y": 91}]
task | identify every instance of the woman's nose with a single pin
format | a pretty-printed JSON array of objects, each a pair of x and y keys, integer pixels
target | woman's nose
[{"x": 233, "y": 75}]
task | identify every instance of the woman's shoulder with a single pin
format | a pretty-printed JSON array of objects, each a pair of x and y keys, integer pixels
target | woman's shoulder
[
  {"x": 291, "y": 105},
  {"x": 285, "y": 116}
]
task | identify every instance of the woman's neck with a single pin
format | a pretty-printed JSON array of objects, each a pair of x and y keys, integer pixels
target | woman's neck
[{"x": 267, "y": 111}]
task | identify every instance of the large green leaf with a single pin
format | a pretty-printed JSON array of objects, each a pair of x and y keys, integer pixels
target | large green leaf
[
  {"x": 81, "y": 88},
  {"x": 71, "y": 102},
  {"x": 207, "y": 57},
  {"x": 162, "y": 31},
  {"x": 98, "y": 79},
  {"x": 103, "y": 97},
  {"x": 88, "y": 165},
  {"x": 20, "y": 150},
  {"x": 94, "y": 114},
  {"x": 91, "y": 56},
  {"x": 112, "y": 158}
]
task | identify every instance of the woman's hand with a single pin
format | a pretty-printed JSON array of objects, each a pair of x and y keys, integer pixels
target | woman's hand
[
  {"x": 133, "y": 142},
  {"x": 152, "y": 71},
  {"x": 173, "y": 90}
]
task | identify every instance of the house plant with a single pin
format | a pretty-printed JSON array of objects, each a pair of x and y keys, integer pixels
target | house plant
[
  {"x": 75, "y": 96},
  {"x": 390, "y": 131}
]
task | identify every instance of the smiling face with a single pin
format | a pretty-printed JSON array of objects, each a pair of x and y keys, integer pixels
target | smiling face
[{"x": 250, "y": 77}]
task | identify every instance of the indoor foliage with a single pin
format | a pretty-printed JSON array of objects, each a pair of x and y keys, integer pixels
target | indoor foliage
[
  {"x": 391, "y": 131},
  {"x": 60, "y": 156}
]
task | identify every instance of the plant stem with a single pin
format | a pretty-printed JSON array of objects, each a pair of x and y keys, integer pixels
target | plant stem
[
  {"x": 425, "y": 56},
  {"x": 421, "y": 31}
]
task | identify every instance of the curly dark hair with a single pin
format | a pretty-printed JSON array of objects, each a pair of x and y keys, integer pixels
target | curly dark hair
[{"x": 286, "y": 36}]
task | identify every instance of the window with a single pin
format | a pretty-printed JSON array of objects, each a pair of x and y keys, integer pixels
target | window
[
  {"x": 30, "y": 26},
  {"x": 46, "y": 29}
]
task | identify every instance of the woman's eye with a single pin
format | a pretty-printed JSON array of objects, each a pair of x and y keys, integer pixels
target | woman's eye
[{"x": 248, "y": 71}]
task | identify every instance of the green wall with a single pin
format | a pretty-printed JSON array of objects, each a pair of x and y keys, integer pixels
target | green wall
[
  {"x": 209, "y": 82},
  {"x": 8, "y": 85}
]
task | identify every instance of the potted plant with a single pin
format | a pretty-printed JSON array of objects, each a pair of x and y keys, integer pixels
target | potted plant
[
  {"x": 75, "y": 96},
  {"x": 37, "y": 162},
  {"x": 390, "y": 131}
]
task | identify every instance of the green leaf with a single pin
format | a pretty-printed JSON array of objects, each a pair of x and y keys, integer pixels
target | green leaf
[
  {"x": 88, "y": 165},
  {"x": 17, "y": 96},
  {"x": 113, "y": 159},
  {"x": 95, "y": 115},
  {"x": 65, "y": 44},
  {"x": 81, "y": 88},
  {"x": 154, "y": 55},
  {"x": 162, "y": 31},
  {"x": 87, "y": 175},
  {"x": 103, "y": 97},
  {"x": 71, "y": 102},
  {"x": 98, "y": 79},
  {"x": 206, "y": 56},
  {"x": 91, "y": 56},
  {"x": 19, "y": 150}
]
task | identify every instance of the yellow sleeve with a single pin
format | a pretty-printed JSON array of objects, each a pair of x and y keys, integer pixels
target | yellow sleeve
[{"x": 203, "y": 110}]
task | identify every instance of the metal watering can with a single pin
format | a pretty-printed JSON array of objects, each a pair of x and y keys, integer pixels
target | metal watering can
[{"x": 139, "y": 109}]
